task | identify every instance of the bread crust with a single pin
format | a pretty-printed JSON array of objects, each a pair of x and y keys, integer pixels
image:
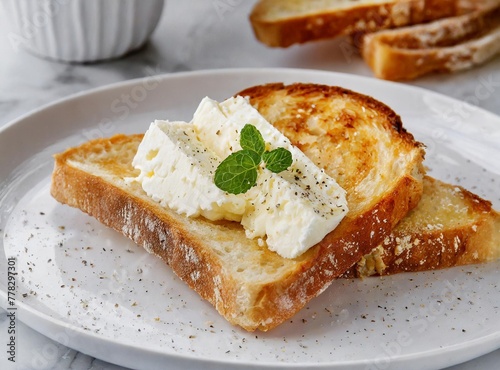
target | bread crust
[
  {"x": 194, "y": 259},
  {"x": 328, "y": 23}
]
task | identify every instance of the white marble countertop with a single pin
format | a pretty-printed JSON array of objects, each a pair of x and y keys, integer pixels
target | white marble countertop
[{"x": 192, "y": 35}]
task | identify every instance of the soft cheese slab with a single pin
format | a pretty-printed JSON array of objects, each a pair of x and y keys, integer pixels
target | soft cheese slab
[
  {"x": 292, "y": 210},
  {"x": 177, "y": 171}
]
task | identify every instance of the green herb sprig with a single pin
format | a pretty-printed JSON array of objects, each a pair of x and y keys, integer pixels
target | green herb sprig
[{"x": 238, "y": 172}]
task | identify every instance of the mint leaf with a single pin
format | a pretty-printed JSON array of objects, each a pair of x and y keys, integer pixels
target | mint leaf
[
  {"x": 251, "y": 139},
  {"x": 277, "y": 160},
  {"x": 238, "y": 172}
]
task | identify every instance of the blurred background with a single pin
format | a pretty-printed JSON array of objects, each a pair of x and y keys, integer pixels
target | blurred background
[{"x": 193, "y": 35}]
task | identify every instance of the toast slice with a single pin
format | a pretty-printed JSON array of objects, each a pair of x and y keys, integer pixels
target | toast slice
[
  {"x": 359, "y": 141},
  {"x": 281, "y": 23},
  {"x": 447, "y": 45},
  {"x": 449, "y": 227}
]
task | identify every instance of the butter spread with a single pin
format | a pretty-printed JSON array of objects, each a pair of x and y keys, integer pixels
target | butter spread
[{"x": 291, "y": 211}]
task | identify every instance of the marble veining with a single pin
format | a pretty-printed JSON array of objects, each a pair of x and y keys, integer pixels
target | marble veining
[{"x": 68, "y": 77}]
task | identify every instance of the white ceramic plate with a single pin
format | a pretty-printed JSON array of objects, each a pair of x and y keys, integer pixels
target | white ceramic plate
[{"x": 91, "y": 289}]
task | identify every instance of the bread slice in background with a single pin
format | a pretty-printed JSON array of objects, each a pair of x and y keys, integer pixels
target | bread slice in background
[
  {"x": 450, "y": 227},
  {"x": 447, "y": 45},
  {"x": 281, "y": 23},
  {"x": 358, "y": 140}
]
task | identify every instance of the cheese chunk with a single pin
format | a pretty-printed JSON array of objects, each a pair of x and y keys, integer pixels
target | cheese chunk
[
  {"x": 290, "y": 211},
  {"x": 177, "y": 171},
  {"x": 294, "y": 209}
]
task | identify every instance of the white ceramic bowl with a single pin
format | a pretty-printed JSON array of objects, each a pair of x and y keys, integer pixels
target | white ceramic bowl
[{"x": 81, "y": 30}]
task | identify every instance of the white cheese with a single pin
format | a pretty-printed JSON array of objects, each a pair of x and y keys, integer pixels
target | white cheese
[
  {"x": 290, "y": 211},
  {"x": 177, "y": 171},
  {"x": 294, "y": 209}
]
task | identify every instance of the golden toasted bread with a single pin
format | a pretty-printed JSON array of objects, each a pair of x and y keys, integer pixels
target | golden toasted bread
[
  {"x": 447, "y": 45},
  {"x": 358, "y": 140},
  {"x": 453, "y": 226},
  {"x": 449, "y": 227},
  {"x": 286, "y": 22}
]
